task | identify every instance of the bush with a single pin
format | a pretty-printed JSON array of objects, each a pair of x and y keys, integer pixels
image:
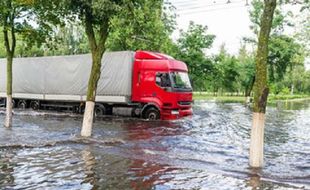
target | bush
[{"x": 285, "y": 91}]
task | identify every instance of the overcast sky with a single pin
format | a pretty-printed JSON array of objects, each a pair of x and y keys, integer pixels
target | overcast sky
[{"x": 228, "y": 21}]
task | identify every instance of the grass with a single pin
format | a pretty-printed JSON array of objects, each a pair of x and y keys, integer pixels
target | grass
[
  {"x": 219, "y": 98},
  {"x": 225, "y": 98}
]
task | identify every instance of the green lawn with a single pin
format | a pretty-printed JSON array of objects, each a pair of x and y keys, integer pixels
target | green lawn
[{"x": 271, "y": 98}]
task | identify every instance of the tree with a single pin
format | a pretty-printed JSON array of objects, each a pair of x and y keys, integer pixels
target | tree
[
  {"x": 246, "y": 72},
  {"x": 283, "y": 53},
  {"x": 17, "y": 17},
  {"x": 8, "y": 14},
  {"x": 281, "y": 19},
  {"x": 148, "y": 26},
  {"x": 192, "y": 45},
  {"x": 69, "y": 39},
  {"x": 261, "y": 89},
  {"x": 225, "y": 71},
  {"x": 96, "y": 18}
]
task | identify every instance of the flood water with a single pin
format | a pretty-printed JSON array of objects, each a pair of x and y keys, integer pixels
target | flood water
[{"x": 206, "y": 151}]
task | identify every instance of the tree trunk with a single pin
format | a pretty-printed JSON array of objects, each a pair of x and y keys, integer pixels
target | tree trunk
[
  {"x": 97, "y": 47},
  {"x": 9, "y": 100},
  {"x": 9, "y": 112},
  {"x": 292, "y": 89},
  {"x": 91, "y": 95},
  {"x": 260, "y": 86},
  {"x": 10, "y": 44}
]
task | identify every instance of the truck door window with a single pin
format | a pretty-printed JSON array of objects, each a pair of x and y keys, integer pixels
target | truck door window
[{"x": 163, "y": 80}]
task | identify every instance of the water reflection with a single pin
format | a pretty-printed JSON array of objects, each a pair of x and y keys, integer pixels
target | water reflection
[
  {"x": 6, "y": 168},
  {"x": 146, "y": 175},
  {"x": 89, "y": 169}
]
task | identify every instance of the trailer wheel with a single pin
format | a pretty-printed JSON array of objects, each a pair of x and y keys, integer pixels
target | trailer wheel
[
  {"x": 151, "y": 114},
  {"x": 100, "y": 110},
  {"x": 13, "y": 103},
  {"x": 136, "y": 112},
  {"x": 34, "y": 105},
  {"x": 22, "y": 104}
]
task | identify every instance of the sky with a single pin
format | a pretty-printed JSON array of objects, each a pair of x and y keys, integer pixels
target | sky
[{"x": 227, "y": 19}]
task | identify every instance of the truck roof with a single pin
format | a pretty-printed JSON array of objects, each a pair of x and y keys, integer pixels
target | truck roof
[
  {"x": 151, "y": 55},
  {"x": 152, "y": 61}
]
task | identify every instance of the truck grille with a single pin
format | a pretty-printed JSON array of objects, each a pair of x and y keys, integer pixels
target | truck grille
[{"x": 185, "y": 103}]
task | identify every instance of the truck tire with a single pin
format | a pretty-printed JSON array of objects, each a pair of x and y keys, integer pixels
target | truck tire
[
  {"x": 13, "y": 103},
  {"x": 151, "y": 114},
  {"x": 22, "y": 104},
  {"x": 100, "y": 110},
  {"x": 35, "y": 105},
  {"x": 136, "y": 112}
]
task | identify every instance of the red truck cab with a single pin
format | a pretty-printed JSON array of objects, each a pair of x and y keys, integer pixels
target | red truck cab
[{"x": 162, "y": 85}]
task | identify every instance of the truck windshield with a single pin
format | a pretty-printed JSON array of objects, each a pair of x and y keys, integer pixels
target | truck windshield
[{"x": 180, "y": 81}]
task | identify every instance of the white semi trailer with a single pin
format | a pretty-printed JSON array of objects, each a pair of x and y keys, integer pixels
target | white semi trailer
[{"x": 60, "y": 82}]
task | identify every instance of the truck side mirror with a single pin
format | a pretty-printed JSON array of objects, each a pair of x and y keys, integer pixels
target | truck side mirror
[{"x": 168, "y": 89}]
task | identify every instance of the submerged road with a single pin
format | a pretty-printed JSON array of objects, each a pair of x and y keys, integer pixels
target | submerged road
[{"x": 206, "y": 151}]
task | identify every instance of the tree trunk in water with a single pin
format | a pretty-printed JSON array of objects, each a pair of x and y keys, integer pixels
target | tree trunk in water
[
  {"x": 257, "y": 143},
  {"x": 9, "y": 107},
  {"x": 292, "y": 89},
  {"x": 260, "y": 86},
  {"x": 9, "y": 100},
  {"x": 88, "y": 119},
  {"x": 91, "y": 95},
  {"x": 97, "y": 46}
]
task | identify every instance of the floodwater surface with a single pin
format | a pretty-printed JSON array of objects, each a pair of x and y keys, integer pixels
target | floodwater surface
[{"x": 206, "y": 151}]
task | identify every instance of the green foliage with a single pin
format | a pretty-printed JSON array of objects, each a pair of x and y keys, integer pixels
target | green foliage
[
  {"x": 30, "y": 25},
  {"x": 281, "y": 19},
  {"x": 149, "y": 25},
  {"x": 195, "y": 39},
  {"x": 285, "y": 91},
  {"x": 192, "y": 45},
  {"x": 226, "y": 72},
  {"x": 67, "y": 40},
  {"x": 246, "y": 71},
  {"x": 284, "y": 53}
]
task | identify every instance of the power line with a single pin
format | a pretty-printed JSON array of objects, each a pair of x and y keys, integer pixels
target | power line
[
  {"x": 184, "y": 3},
  {"x": 210, "y": 10},
  {"x": 193, "y": 2},
  {"x": 210, "y": 5}
]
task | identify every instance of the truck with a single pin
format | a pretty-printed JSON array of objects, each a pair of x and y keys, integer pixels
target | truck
[{"x": 143, "y": 84}]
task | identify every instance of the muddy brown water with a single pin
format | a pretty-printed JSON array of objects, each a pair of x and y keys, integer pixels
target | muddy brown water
[{"x": 206, "y": 151}]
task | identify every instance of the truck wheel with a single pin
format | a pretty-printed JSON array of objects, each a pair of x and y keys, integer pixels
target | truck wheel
[
  {"x": 13, "y": 103},
  {"x": 151, "y": 114},
  {"x": 100, "y": 110},
  {"x": 34, "y": 105},
  {"x": 22, "y": 104},
  {"x": 135, "y": 112}
]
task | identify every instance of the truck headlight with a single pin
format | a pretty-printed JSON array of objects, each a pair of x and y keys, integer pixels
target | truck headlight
[{"x": 175, "y": 112}]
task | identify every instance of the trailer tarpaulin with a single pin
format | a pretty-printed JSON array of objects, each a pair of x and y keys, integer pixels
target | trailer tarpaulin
[{"x": 68, "y": 75}]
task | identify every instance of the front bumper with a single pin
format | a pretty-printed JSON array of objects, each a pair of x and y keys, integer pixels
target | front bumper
[{"x": 175, "y": 113}]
